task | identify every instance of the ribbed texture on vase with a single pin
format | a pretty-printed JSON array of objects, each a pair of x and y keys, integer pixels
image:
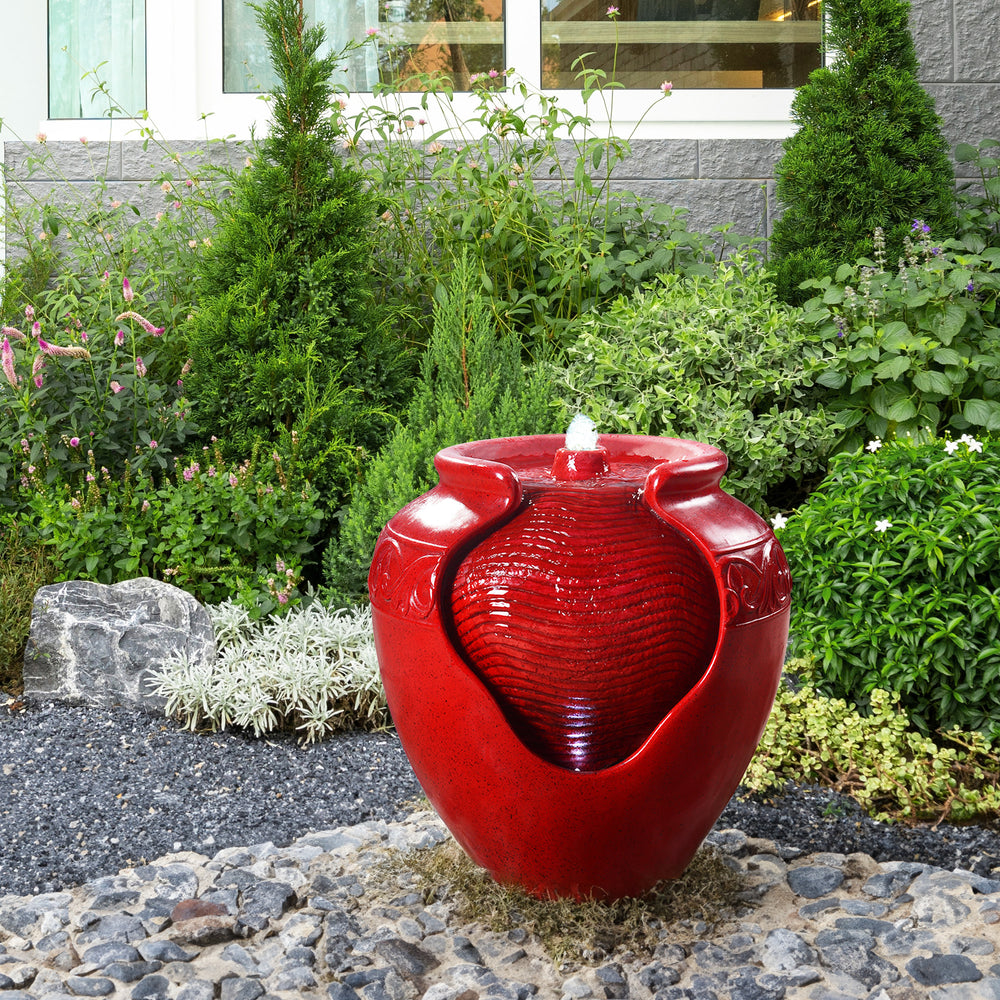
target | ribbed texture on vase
[{"x": 589, "y": 619}]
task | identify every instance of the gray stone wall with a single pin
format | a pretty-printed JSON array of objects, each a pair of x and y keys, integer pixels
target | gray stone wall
[{"x": 717, "y": 180}]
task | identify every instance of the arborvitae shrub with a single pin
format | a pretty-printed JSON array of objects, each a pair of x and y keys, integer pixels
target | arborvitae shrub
[
  {"x": 473, "y": 385},
  {"x": 287, "y": 336},
  {"x": 868, "y": 151}
]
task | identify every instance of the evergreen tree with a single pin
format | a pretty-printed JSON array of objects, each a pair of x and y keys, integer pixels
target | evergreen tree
[
  {"x": 473, "y": 385},
  {"x": 288, "y": 336},
  {"x": 868, "y": 151}
]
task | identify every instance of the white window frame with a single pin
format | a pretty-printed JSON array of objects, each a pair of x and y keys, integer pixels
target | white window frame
[{"x": 186, "y": 100}]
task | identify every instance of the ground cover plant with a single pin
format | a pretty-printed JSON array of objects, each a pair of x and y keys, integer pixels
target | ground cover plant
[
  {"x": 895, "y": 562},
  {"x": 715, "y": 358},
  {"x": 312, "y": 671},
  {"x": 867, "y": 151}
]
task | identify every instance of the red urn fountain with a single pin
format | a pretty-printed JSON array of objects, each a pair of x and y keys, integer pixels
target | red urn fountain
[{"x": 580, "y": 646}]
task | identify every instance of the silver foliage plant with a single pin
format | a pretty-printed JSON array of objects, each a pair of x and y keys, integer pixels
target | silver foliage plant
[{"x": 312, "y": 670}]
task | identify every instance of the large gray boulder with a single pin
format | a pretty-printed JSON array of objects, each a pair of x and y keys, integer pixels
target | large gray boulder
[{"x": 97, "y": 645}]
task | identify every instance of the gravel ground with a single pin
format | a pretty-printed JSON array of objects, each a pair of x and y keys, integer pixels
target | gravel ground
[{"x": 87, "y": 791}]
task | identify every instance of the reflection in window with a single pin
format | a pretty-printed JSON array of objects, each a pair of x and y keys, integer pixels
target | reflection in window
[
  {"x": 450, "y": 40},
  {"x": 246, "y": 65},
  {"x": 106, "y": 36},
  {"x": 417, "y": 39},
  {"x": 695, "y": 44}
]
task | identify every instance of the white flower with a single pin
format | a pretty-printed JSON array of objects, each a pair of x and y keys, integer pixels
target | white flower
[
  {"x": 883, "y": 525},
  {"x": 971, "y": 443},
  {"x": 779, "y": 521},
  {"x": 874, "y": 445},
  {"x": 951, "y": 447}
]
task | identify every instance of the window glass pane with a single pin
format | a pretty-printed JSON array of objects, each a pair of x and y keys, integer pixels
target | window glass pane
[
  {"x": 694, "y": 44},
  {"x": 92, "y": 43},
  {"x": 247, "y": 67},
  {"x": 416, "y": 38},
  {"x": 453, "y": 40}
]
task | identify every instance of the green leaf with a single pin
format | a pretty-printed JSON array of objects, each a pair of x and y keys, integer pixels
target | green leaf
[
  {"x": 982, "y": 413},
  {"x": 832, "y": 379},
  {"x": 902, "y": 410},
  {"x": 892, "y": 368}
]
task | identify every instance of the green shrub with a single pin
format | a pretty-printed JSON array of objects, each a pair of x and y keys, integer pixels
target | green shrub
[
  {"x": 876, "y": 758},
  {"x": 523, "y": 186},
  {"x": 979, "y": 210},
  {"x": 867, "y": 151},
  {"x": 287, "y": 334},
  {"x": 24, "y": 567},
  {"x": 312, "y": 670},
  {"x": 472, "y": 386},
  {"x": 894, "y": 563},
  {"x": 713, "y": 358},
  {"x": 217, "y": 531},
  {"x": 913, "y": 350}
]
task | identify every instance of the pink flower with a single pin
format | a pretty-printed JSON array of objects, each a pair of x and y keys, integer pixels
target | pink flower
[
  {"x": 493, "y": 74},
  {"x": 152, "y": 444},
  {"x": 7, "y": 356},
  {"x": 140, "y": 367},
  {"x": 166, "y": 186},
  {"x": 84, "y": 336},
  {"x": 83, "y": 139},
  {"x": 189, "y": 183},
  {"x": 145, "y": 506},
  {"x": 119, "y": 338},
  {"x": 116, "y": 387},
  {"x": 666, "y": 86},
  {"x": 10, "y": 331},
  {"x": 613, "y": 12},
  {"x": 371, "y": 32},
  {"x": 75, "y": 503},
  {"x": 36, "y": 329},
  {"x": 127, "y": 292},
  {"x": 233, "y": 481},
  {"x": 188, "y": 475},
  {"x": 38, "y": 381},
  {"x": 116, "y": 203},
  {"x": 29, "y": 311},
  {"x": 74, "y": 442},
  {"x": 177, "y": 204},
  {"x": 41, "y": 136},
  {"x": 156, "y": 331},
  {"x": 38, "y": 364}
]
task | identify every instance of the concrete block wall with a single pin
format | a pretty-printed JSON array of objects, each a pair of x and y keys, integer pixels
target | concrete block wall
[{"x": 717, "y": 180}]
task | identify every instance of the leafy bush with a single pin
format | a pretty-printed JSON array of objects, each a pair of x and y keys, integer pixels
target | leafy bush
[
  {"x": 101, "y": 391},
  {"x": 24, "y": 568},
  {"x": 472, "y": 386},
  {"x": 876, "y": 758},
  {"x": 216, "y": 531},
  {"x": 287, "y": 334},
  {"x": 714, "y": 358},
  {"x": 914, "y": 350},
  {"x": 312, "y": 670},
  {"x": 979, "y": 211},
  {"x": 868, "y": 149},
  {"x": 524, "y": 187},
  {"x": 895, "y": 560}
]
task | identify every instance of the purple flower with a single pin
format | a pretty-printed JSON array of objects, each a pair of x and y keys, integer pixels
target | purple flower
[
  {"x": 119, "y": 338},
  {"x": 971, "y": 286}
]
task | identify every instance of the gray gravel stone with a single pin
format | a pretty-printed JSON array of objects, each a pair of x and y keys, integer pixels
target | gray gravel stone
[
  {"x": 939, "y": 969},
  {"x": 813, "y": 881}
]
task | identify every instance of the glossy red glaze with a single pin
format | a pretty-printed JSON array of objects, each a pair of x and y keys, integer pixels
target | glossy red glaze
[{"x": 681, "y": 608}]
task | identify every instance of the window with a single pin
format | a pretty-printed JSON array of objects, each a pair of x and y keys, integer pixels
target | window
[
  {"x": 95, "y": 43},
  {"x": 695, "y": 44}
]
